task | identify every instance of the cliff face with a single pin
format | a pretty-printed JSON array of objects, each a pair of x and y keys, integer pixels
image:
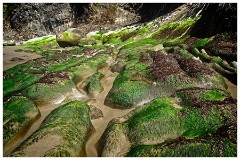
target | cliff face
[
  {"x": 29, "y": 20},
  {"x": 34, "y": 20}
]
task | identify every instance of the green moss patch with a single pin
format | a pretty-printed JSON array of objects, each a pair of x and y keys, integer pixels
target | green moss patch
[
  {"x": 47, "y": 40},
  {"x": 66, "y": 127},
  {"x": 92, "y": 84},
  {"x": 19, "y": 82},
  {"x": 200, "y": 122},
  {"x": 187, "y": 148},
  {"x": 18, "y": 115},
  {"x": 212, "y": 95},
  {"x": 127, "y": 94},
  {"x": 67, "y": 39},
  {"x": 88, "y": 67},
  {"x": 176, "y": 29},
  {"x": 202, "y": 42},
  {"x": 49, "y": 87},
  {"x": 157, "y": 121},
  {"x": 143, "y": 42}
]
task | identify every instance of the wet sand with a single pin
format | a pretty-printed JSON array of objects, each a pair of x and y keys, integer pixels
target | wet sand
[
  {"x": 44, "y": 110},
  {"x": 9, "y": 53},
  {"x": 232, "y": 88},
  {"x": 100, "y": 125}
]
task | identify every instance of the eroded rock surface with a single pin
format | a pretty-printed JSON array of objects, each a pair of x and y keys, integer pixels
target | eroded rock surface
[
  {"x": 19, "y": 113},
  {"x": 153, "y": 88},
  {"x": 62, "y": 133}
]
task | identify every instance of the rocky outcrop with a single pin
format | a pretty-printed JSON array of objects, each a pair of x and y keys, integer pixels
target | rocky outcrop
[
  {"x": 150, "y": 127},
  {"x": 140, "y": 81},
  {"x": 49, "y": 87},
  {"x": 63, "y": 133},
  {"x": 19, "y": 114},
  {"x": 25, "y": 21},
  {"x": 34, "y": 20},
  {"x": 92, "y": 85},
  {"x": 167, "y": 83}
]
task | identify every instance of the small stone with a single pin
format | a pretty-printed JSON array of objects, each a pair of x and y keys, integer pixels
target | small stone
[
  {"x": 16, "y": 59},
  {"x": 95, "y": 113}
]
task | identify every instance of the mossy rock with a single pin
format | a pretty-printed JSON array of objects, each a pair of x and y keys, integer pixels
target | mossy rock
[
  {"x": 143, "y": 43},
  {"x": 97, "y": 35},
  {"x": 23, "y": 75},
  {"x": 66, "y": 64},
  {"x": 49, "y": 87},
  {"x": 155, "y": 122},
  {"x": 19, "y": 82},
  {"x": 92, "y": 84},
  {"x": 19, "y": 77},
  {"x": 213, "y": 147},
  {"x": 128, "y": 94},
  {"x": 205, "y": 118},
  {"x": 18, "y": 115},
  {"x": 117, "y": 37},
  {"x": 115, "y": 140},
  {"x": 68, "y": 39},
  {"x": 165, "y": 119},
  {"x": 175, "y": 31},
  {"x": 204, "y": 76},
  {"x": 41, "y": 41},
  {"x": 193, "y": 96},
  {"x": 66, "y": 128},
  {"x": 88, "y": 67},
  {"x": 135, "y": 84}
]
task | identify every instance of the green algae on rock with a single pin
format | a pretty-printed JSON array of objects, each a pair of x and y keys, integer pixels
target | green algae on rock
[
  {"x": 165, "y": 119},
  {"x": 128, "y": 94},
  {"x": 68, "y": 39},
  {"x": 19, "y": 82},
  {"x": 18, "y": 115},
  {"x": 178, "y": 29},
  {"x": 88, "y": 67},
  {"x": 115, "y": 140},
  {"x": 63, "y": 133},
  {"x": 92, "y": 84},
  {"x": 49, "y": 87},
  {"x": 155, "y": 122},
  {"x": 39, "y": 42},
  {"x": 213, "y": 147},
  {"x": 193, "y": 96}
]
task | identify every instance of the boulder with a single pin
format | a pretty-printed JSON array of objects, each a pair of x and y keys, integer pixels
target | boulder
[
  {"x": 9, "y": 43},
  {"x": 18, "y": 115},
  {"x": 92, "y": 84},
  {"x": 214, "y": 146},
  {"x": 63, "y": 133},
  {"x": 96, "y": 113},
  {"x": 167, "y": 119},
  {"x": 68, "y": 38},
  {"x": 50, "y": 87}
]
